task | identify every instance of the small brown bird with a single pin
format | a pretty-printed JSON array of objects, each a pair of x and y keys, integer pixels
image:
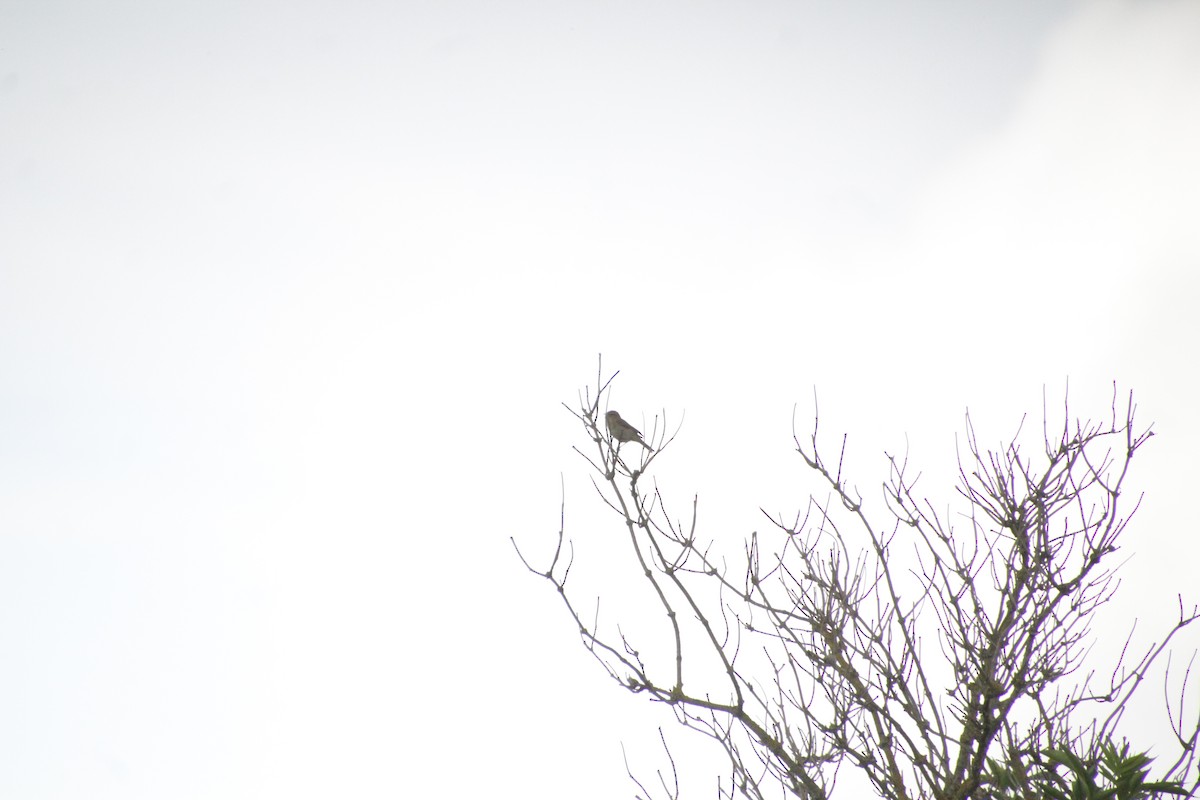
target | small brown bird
[{"x": 622, "y": 431}]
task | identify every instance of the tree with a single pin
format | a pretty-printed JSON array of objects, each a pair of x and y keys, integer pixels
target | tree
[{"x": 940, "y": 655}]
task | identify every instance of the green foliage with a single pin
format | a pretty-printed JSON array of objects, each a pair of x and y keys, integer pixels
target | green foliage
[{"x": 1113, "y": 775}]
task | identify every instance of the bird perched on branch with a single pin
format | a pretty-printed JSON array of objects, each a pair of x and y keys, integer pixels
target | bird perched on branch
[{"x": 622, "y": 431}]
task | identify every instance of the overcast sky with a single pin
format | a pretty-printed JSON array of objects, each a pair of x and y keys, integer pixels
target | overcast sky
[{"x": 290, "y": 294}]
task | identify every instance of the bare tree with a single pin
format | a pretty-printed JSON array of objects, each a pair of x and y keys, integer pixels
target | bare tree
[{"x": 940, "y": 654}]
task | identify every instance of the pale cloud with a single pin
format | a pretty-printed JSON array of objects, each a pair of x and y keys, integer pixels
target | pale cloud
[{"x": 1096, "y": 172}]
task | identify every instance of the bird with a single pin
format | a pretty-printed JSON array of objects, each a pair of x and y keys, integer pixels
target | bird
[{"x": 622, "y": 431}]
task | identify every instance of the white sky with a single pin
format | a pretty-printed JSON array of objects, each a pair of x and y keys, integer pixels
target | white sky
[{"x": 290, "y": 295}]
